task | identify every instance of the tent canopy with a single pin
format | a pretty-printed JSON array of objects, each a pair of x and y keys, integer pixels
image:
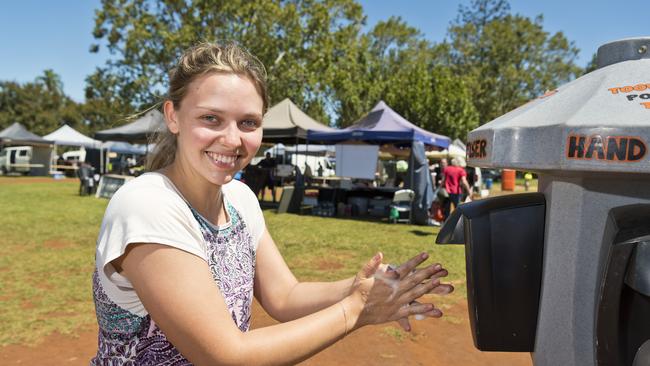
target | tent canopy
[
  {"x": 67, "y": 135},
  {"x": 285, "y": 122},
  {"x": 382, "y": 124},
  {"x": 124, "y": 147},
  {"x": 454, "y": 150},
  {"x": 137, "y": 131},
  {"x": 17, "y": 134}
]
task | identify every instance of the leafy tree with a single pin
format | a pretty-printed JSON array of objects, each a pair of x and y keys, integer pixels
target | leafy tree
[
  {"x": 298, "y": 40},
  {"x": 40, "y": 105},
  {"x": 394, "y": 63},
  {"x": 369, "y": 71},
  {"x": 507, "y": 59},
  {"x": 592, "y": 65},
  {"x": 108, "y": 100},
  {"x": 317, "y": 55}
]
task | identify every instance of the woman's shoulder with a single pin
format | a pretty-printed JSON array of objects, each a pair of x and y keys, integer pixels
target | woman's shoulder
[
  {"x": 237, "y": 188},
  {"x": 240, "y": 195},
  {"x": 148, "y": 189}
]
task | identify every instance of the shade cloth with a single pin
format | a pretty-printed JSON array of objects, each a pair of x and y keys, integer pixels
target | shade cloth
[
  {"x": 67, "y": 135},
  {"x": 138, "y": 131},
  {"x": 381, "y": 125},
  {"x": 286, "y": 123}
]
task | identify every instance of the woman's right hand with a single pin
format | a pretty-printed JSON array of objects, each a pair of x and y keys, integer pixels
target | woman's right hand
[{"x": 381, "y": 296}]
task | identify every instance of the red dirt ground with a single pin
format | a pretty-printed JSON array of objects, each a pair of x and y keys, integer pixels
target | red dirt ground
[{"x": 433, "y": 342}]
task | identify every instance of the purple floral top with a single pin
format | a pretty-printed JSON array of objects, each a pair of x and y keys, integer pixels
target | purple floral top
[{"x": 128, "y": 339}]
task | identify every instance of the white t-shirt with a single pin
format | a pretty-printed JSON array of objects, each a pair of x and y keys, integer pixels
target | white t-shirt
[{"x": 149, "y": 209}]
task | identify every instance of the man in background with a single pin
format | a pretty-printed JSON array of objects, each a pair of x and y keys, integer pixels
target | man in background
[
  {"x": 268, "y": 164},
  {"x": 454, "y": 180}
]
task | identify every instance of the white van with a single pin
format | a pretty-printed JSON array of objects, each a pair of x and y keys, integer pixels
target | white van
[
  {"x": 74, "y": 156},
  {"x": 16, "y": 159}
]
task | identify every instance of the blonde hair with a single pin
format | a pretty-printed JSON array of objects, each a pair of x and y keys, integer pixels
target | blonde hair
[{"x": 204, "y": 58}]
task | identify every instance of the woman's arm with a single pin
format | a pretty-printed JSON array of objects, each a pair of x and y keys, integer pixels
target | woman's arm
[
  {"x": 285, "y": 299},
  {"x": 179, "y": 293},
  {"x": 280, "y": 293}
]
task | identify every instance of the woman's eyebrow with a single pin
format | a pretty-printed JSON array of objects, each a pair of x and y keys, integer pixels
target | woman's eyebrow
[
  {"x": 253, "y": 115},
  {"x": 220, "y": 111},
  {"x": 212, "y": 109}
]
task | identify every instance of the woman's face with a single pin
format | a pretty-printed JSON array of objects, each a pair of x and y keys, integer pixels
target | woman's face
[{"x": 218, "y": 126}]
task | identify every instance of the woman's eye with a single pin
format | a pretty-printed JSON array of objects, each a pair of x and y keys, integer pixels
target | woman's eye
[
  {"x": 250, "y": 124},
  {"x": 210, "y": 118}
]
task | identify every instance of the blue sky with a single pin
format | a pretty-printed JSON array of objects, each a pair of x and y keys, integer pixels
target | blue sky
[{"x": 37, "y": 35}]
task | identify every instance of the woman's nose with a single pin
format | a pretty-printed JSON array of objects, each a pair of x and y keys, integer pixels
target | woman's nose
[{"x": 231, "y": 135}]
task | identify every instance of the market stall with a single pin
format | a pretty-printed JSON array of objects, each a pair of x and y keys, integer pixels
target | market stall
[{"x": 382, "y": 125}]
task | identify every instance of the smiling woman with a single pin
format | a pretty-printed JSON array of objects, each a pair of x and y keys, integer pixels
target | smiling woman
[{"x": 184, "y": 248}]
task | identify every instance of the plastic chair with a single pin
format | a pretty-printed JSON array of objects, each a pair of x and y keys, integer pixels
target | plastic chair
[{"x": 400, "y": 208}]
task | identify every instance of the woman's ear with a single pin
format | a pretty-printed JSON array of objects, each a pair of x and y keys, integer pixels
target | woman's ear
[{"x": 170, "y": 117}]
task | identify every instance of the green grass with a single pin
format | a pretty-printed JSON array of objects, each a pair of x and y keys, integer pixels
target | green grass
[
  {"x": 519, "y": 187},
  {"x": 47, "y": 240},
  {"x": 47, "y": 245}
]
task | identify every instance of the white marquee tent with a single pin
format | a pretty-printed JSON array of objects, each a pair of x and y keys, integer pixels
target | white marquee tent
[{"x": 67, "y": 135}]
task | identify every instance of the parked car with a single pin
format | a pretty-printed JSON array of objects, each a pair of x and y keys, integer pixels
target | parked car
[{"x": 15, "y": 159}]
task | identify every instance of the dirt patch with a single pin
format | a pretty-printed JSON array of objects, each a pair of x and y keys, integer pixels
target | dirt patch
[
  {"x": 44, "y": 286},
  {"x": 431, "y": 343},
  {"x": 24, "y": 180},
  {"x": 57, "y": 244},
  {"x": 328, "y": 264}
]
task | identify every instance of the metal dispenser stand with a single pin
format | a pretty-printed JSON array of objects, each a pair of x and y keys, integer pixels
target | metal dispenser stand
[{"x": 587, "y": 140}]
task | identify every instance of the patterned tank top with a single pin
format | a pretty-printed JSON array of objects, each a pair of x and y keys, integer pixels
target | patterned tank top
[{"x": 128, "y": 339}]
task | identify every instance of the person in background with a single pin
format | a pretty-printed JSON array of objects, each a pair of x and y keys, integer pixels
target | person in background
[
  {"x": 454, "y": 181},
  {"x": 528, "y": 178},
  {"x": 308, "y": 174},
  {"x": 401, "y": 168},
  {"x": 439, "y": 169},
  {"x": 472, "y": 178},
  {"x": 184, "y": 248},
  {"x": 85, "y": 173},
  {"x": 268, "y": 164}
]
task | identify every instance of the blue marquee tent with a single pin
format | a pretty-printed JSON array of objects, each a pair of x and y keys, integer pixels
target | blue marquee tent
[{"x": 381, "y": 125}]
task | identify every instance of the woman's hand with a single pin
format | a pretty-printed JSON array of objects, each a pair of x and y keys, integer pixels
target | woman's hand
[
  {"x": 441, "y": 289},
  {"x": 386, "y": 295}
]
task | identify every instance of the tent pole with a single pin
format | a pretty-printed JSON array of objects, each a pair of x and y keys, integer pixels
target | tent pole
[
  {"x": 146, "y": 152},
  {"x": 411, "y": 164}
]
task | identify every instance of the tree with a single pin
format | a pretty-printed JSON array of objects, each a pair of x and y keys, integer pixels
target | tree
[
  {"x": 368, "y": 71},
  {"x": 592, "y": 65},
  {"x": 40, "y": 105},
  {"x": 394, "y": 63},
  {"x": 298, "y": 40},
  {"x": 315, "y": 53},
  {"x": 507, "y": 59},
  {"x": 108, "y": 100}
]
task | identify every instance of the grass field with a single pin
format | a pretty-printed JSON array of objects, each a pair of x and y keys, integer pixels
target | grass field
[{"x": 47, "y": 244}]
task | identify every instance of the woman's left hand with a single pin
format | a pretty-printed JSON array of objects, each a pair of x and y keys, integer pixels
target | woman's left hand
[{"x": 398, "y": 273}]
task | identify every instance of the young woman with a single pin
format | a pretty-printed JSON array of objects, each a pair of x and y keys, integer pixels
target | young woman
[{"x": 183, "y": 249}]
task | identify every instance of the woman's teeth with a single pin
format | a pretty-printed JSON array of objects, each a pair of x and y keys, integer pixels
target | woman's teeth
[{"x": 224, "y": 159}]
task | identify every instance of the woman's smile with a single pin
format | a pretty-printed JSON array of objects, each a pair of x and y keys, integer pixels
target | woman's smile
[{"x": 223, "y": 161}]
